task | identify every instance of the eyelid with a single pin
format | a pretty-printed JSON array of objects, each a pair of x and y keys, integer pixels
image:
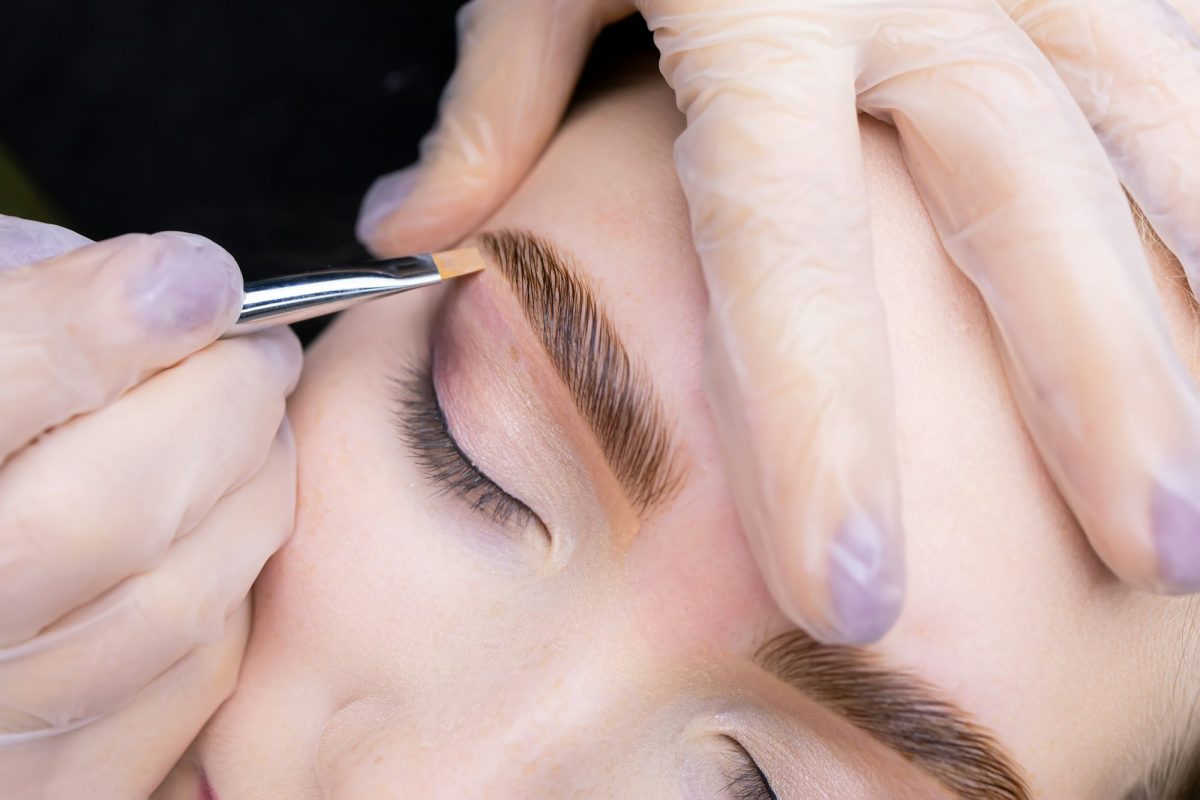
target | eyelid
[
  {"x": 747, "y": 781},
  {"x": 422, "y": 425}
]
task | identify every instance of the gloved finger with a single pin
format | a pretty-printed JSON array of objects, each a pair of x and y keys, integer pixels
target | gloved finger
[
  {"x": 157, "y": 726},
  {"x": 1134, "y": 68},
  {"x": 518, "y": 64},
  {"x": 93, "y": 660},
  {"x": 1189, "y": 10},
  {"x": 796, "y": 362},
  {"x": 1044, "y": 231},
  {"x": 80, "y": 329},
  {"x": 103, "y": 496},
  {"x": 24, "y": 241}
]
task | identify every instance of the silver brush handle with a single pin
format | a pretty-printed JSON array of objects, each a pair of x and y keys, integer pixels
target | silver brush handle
[{"x": 292, "y": 298}]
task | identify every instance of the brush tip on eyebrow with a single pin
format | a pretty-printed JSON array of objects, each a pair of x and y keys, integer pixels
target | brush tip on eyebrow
[{"x": 453, "y": 263}]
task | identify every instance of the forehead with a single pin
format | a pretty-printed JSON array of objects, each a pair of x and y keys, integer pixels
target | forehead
[{"x": 691, "y": 575}]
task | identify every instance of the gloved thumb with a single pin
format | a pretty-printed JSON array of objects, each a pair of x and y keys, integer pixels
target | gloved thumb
[{"x": 518, "y": 64}]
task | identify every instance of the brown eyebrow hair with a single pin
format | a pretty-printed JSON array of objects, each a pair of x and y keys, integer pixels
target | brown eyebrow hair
[
  {"x": 899, "y": 710},
  {"x": 613, "y": 391}
]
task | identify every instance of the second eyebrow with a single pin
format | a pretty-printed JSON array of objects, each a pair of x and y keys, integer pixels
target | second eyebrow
[
  {"x": 612, "y": 392},
  {"x": 900, "y": 711}
]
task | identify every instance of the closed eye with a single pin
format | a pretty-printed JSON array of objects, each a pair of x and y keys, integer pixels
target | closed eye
[
  {"x": 746, "y": 779},
  {"x": 422, "y": 426}
]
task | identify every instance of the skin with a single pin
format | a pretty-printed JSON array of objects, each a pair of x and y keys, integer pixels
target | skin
[{"x": 404, "y": 646}]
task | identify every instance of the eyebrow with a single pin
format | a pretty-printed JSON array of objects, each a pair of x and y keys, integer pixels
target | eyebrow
[
  {"x": 899, "y": 710},
  {"x": 612, "y": 391}
]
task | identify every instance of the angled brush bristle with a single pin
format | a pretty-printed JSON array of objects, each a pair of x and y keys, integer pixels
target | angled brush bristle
[{"x": 453, "y": 263}]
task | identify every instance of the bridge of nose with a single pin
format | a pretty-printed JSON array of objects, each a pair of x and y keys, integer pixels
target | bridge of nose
[{"x": 502, "y": 726}]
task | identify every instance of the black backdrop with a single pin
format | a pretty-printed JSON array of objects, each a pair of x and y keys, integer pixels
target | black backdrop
[{"x": 257, "y": 123}]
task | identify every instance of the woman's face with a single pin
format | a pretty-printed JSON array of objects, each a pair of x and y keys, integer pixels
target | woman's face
[{"x": 571, "y": 611}]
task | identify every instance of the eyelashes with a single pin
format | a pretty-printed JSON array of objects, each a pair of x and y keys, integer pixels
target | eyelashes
[
  {"x": 422, "y": 426},
  {"x": 746, "y": 779}
]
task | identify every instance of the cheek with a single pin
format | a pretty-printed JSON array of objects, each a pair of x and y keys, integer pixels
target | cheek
[
  {"x": 364, "y": 568},
  {"x": 326, "y": 578}
]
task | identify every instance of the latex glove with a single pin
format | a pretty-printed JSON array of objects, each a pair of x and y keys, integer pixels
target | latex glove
[
  {"x": 1134, "y": 68},
  {"x": 1020, "y": 191},
  {"x": 138, "y": 501}
]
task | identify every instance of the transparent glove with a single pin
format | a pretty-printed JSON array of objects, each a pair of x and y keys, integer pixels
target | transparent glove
[
  {"x": 1021, "y": 192},
  {"x": 146, "y": 475}
]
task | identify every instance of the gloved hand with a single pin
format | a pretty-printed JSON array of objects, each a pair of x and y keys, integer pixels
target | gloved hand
[
  {"x": 146, "y": 475},
  {"x": 1020, "y": 191}
]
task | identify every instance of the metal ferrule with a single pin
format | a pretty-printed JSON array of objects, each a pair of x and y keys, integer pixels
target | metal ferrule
[{"x": 291, "y": 298}]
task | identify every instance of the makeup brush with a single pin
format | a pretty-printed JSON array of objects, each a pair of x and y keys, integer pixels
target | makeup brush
[{"x": 291, "y": 298}]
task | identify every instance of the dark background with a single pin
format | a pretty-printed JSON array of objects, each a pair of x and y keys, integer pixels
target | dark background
[{"x": 259, "y": 124}]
